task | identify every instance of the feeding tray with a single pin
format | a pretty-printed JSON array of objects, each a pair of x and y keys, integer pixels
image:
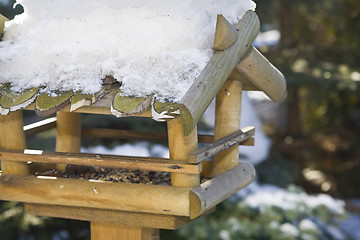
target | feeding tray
[
  {"x": 182, "y": 203},
  {"x": 234, "y": 67}
]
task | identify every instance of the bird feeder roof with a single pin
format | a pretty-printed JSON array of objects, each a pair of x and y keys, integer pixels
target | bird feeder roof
[{"x": 240, "y": 61}]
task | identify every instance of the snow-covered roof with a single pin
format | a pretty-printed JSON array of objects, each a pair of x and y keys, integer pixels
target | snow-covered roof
[
  {"x": 154, "y": 47},
  {"x": 128, "y": 56}
]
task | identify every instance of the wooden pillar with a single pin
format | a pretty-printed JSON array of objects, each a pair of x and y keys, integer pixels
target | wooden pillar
[
  {"x": 102, "y": 231},
  {"x": 68, "y": 134},
  {"x": 12, "y": 136},
  {"x": 106, "y": 231},
  {"x": 179, "y": 147},
  {"x": 227, "y": 121}
]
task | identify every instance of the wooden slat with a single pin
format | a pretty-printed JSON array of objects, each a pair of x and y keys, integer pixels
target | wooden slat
[
  {"x": 40, "y": 126},
  {"x": 12, "y": 101},
  {"x": 216, "y": 72},
  {"x": 96, "y": 194},
  {"x": 47, "y": 104},
  {"x": 112, "y": 161},
  {"x": 80, "y": 100},
  {"x": 123, "y": 106},
  {"x": 214, "y": 191},
  {"x": 108, "y": 216},
  {"x": 221, "y": 144}
]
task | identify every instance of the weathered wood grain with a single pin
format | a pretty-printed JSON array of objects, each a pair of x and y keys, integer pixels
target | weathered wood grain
[
  {"x": 214, "y": 191},
  {"x": 225, "y": 34},
  {"x": 112, "y": 161},
  {"x": 68, "y": 134},
  {"x": 136, "y": 219},
  {"x": 220, "y": 145},
  {"x": 216, "y": 72},
  {"x": 13, "y": 101},
  {"x": 12, "y": 137},
  {"x": 260, "y": 72},
  {"x": 179, "y": 147},
  {"x": 80, "y": 100},
  {"x": 123, "y": 106},
  {"x": 104, "y": 231},
  {"x": 145, "y": 198},
  {"x": 227, "y": 121},
  {"x": 47, "y": 104}
]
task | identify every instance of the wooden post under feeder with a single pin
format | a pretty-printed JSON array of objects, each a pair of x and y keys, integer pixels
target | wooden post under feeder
[
  {"x": 12, "y": 136},
  {"x": 179, "y": 148},
  {"x": 68, "y": 134},
  {"x": 227, "y": 121},
  {"x": 138, "y": 211}
]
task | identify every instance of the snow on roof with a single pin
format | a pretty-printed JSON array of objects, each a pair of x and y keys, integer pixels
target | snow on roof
[{"x": 152, "y": 47}]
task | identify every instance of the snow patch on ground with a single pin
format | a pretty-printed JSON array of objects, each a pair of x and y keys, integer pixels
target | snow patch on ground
[
  {"x": 153, "y": 47},
  {"x": 256, "y": 195}
]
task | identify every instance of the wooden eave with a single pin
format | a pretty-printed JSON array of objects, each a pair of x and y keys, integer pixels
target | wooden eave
[{"x": 240, "y": 61}]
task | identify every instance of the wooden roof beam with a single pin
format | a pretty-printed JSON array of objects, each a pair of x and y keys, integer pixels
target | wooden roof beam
[
  {"x": 216, "y": 72},
  {"x": 254, "y": 70}
]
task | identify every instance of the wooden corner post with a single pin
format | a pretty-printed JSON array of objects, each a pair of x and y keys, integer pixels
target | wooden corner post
[
  {"x": 227, "y": 121},
  {"x": 112, "y": 231},
  {"x": 12, "y": 136},
  {"x": 68, "y": 133},
  {"x": 105, "y": 231},
  {"x": 179, "y": 148}
]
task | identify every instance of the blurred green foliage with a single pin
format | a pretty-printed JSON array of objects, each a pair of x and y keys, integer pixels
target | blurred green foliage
[
  {"x": 239, "y": 219},
  {"x": 319, "y": 54}
]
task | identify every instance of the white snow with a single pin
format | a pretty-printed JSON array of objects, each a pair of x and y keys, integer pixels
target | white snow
[
  {"x": 289, "y": 229},
  {"x": 306, "y": 225},
  {"x": 153, "y": 47},
  {"x": 259, "y": 196}
]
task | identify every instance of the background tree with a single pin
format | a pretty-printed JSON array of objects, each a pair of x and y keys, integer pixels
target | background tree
[{"x": 319, "y": 54}]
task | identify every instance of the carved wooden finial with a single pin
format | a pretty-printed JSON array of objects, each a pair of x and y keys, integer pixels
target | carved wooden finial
[{"x": 225, "y": 33}]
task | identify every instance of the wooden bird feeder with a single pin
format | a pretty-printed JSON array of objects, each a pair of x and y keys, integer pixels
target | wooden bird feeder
[{"x": 137, "y": 211}]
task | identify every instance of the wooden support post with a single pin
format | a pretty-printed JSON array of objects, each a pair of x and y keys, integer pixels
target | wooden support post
[
  {"x": 102, "y": 231},
  {"x": 180, "y": 146},
  {"x": 12, "y": 136},
  {"x": 106, "y": 231},
  {"x": 68, "y": 134},
  {"x": 227, "y": 121},
  {"x": 3, "y": 19}
]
